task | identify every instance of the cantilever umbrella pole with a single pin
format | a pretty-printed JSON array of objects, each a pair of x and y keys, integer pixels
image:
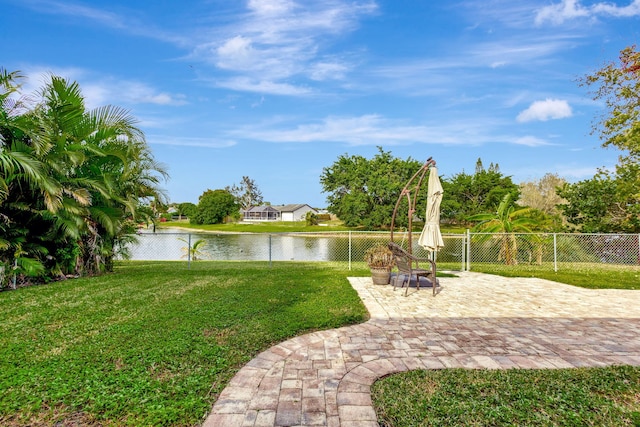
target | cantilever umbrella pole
[{"x": 406, "y": 191}]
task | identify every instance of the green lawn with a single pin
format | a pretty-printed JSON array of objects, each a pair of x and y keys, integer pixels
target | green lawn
[
  {"x": 261, "y": 227},
  {"x": 458, "y": 397},
  {"x": 154, "y": 343},
  {"x": 585, "y": 275}
]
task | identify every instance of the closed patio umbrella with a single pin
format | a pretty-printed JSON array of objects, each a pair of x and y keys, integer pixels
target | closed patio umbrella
[{"x": 430, "y": 238}]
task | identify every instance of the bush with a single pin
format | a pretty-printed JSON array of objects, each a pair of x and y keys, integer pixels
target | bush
[{"x": 311, "y": 218}]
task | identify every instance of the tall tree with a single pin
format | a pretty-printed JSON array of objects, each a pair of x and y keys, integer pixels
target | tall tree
[
  {"x": 214, "y": 206},
  {"x": 363, "y": 192},
  {"x": 618, "y": 85},
  {"x": 543, "y": 194},
  {"x": 247, "y": 193},
  {"x": 466, "y": 195},
  {"x": 590, "y": 206},
  {"x": 187, "y": 208}
]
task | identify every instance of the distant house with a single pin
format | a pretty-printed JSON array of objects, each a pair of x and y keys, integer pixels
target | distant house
[
  {"x": 261, "y": 213},
  {"x": 296, "y": 212}
]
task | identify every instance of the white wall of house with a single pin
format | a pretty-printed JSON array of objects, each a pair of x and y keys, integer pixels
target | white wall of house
[{"x": 297, "y": 215}]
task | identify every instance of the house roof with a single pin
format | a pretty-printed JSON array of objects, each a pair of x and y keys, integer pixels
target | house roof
[
  {"x": 292, "y": 208},
  {"x": 281, "y": 208},
  {"x": 263, "y": 208}
]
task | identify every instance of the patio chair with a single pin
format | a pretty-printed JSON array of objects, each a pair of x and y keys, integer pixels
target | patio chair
[{"x": 409, "y": 266}]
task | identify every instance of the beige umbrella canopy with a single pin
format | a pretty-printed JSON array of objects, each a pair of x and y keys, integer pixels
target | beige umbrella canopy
[{"x": 431, "y": 238}]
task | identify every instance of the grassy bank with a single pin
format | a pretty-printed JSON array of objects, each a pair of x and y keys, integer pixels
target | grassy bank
[
  {"x": 260, "y": 227},
  {"x": 279, "y": 227},
  {"x": 154, "y": 343}
]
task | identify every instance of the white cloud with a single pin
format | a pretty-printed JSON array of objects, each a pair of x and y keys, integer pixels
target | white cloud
[
  {"x": 37, "y": 76},
  {"x": 190, "y": 142},
  {"x": 472, "y": 68},
  {"x": 327, "y": 71},
  {"x": 235, "y": 53},
  {"x": 77, "y": 10},
  {"x": 633, "y": 9},
  {"x": 122, "y": 22},
  {"x": 376, "y": 130},
  {"x": 530, "y": 141},
  {"x": 246, "y": 84},
  {"x": 141, "y": 93},
  {"x": 369, "y": 129},
  {"x": 573, "y": 9},
  {"x": 281, "y": 40},
  {"x": 270, "y": 7},
  {"x": 546, "y": 110},
  {"x": 576, "y": 172},
  {"x": 101, "y": 90}
]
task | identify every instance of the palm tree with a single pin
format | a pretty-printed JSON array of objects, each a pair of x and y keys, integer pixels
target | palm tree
[
  {"x": 20, "y": 171},
  {"x": 107, "y": 160},
  {"x": 195, "y": 251},
  {"x": 506, "y": 221},
  {"x": 71, "y": 179}
]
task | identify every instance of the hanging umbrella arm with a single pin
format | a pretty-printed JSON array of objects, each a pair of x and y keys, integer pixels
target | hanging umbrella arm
[{"x": 410, "y": 192}]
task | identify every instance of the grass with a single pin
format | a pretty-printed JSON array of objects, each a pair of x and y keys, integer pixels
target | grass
[
  {"x": 584, "y": 275},
  {"x": 154, "y": 343},
  {"x": 281, "y": 227},
  {"x": 261, "y": 227},
  {"x": 457, "y": 397}
]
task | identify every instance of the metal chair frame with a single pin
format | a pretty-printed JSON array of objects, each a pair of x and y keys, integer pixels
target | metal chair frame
[{"x": 409, "y": 266}]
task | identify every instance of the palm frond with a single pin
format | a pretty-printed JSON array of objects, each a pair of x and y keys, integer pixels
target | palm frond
[{"x": 109, "y": 218}]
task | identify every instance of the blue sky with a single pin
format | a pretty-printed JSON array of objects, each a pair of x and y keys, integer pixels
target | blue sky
[{"x": 278, "y": 89}]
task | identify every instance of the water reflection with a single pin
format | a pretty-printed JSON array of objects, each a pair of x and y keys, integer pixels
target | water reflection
[
  {"x": 167, "y": 244},
  {"x": 171, "y": 245}
]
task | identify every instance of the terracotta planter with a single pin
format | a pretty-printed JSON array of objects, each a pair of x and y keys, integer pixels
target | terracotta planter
[{"x": 380, "y": 276}]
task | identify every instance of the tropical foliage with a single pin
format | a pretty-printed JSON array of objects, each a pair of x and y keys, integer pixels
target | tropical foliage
[
  {"x": 71, "y": 181},
  {"x": 610, "y": 201},
  {"x": 194, "y": 251},
  {"x": 502, "y": 225}
]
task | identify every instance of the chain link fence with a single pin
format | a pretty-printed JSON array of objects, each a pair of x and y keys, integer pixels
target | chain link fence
[
  {"x": 460, "y": 251},
  {"x": 553, "y": 250}
]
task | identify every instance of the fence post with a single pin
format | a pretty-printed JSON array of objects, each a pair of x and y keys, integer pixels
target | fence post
[
  {"x": 555, "y": 252},
  {"x": 468, "y": 250},
  {"x": 189, "y": 252},
  {"x": 349, "y": 250},
  {"x": 463, "y": 253},
  {"x": 270, "y": 250}
]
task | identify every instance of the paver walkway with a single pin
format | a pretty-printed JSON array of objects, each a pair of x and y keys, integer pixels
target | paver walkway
[{"x": 476, "y": 321}]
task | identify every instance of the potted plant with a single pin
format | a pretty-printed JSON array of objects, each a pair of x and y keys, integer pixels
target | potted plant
[{"x": 380, "y": 261}]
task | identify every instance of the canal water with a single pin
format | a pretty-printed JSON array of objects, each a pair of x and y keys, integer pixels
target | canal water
[{"x": 171, "y": 244}]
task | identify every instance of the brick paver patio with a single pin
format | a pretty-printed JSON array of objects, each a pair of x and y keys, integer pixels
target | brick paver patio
[{"x": 476, "y": 321}]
